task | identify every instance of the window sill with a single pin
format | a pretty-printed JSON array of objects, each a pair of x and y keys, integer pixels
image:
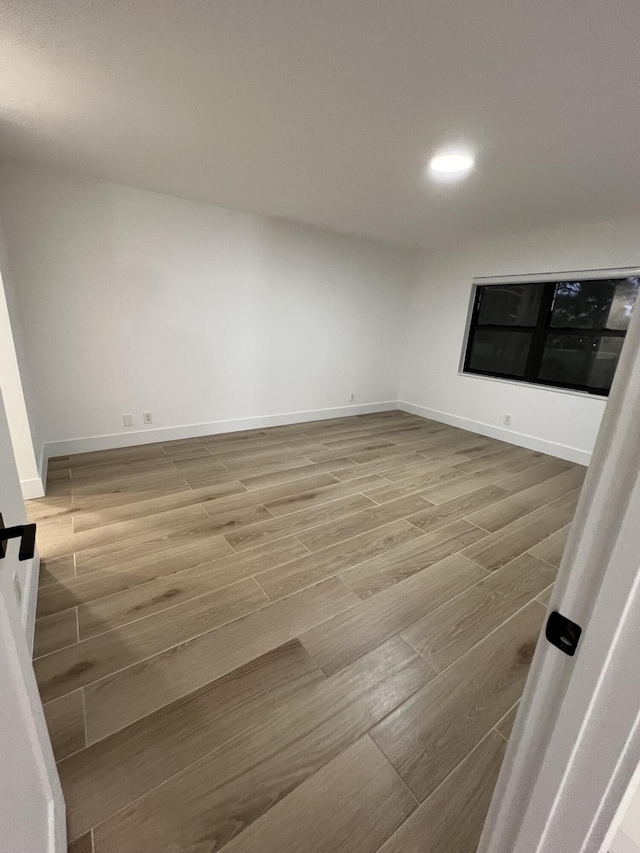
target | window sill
[{"x": 550, "y": 388}]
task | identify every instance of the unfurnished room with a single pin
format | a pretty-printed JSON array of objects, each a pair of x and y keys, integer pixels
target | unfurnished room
[{"x": 319, "y": 405}]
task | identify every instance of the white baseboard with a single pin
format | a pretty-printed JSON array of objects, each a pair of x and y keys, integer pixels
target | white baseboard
[
  {"x": 32, "y": 488},
  {"x": 572, "y": 454},
  {"x": 622, "y": 843},
  {"x": 150, "y": 436}
]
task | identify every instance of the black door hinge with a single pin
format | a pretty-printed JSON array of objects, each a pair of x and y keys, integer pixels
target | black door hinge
[
  {"x": 27, "y": 535},
  {"x": 563, "y": 633}
]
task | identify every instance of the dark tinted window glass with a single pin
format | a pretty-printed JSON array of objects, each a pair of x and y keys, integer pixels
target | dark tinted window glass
[
  {"x": 510, "y": 304},
  {"x": 582, "y": 304},
  {"x": 563, "y": 333},
  {"x": 587, "y": 360},
  {"x": 499, "y": 352},
  {"x": 594, "y": 304}
]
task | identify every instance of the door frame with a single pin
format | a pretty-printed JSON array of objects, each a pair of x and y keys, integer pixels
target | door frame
[
  {"x": 24, "y": 719},
  {"x": 569, "y": 769}
]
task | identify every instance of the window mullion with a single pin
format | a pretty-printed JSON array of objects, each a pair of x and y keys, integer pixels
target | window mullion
[{"x": 540, "y": 332}]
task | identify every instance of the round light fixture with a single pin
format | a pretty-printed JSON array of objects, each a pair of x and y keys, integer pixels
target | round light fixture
[{"x": 451, "y": 164}]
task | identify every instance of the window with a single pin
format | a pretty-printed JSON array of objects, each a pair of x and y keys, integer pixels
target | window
[{"x": 567, "y": 334}]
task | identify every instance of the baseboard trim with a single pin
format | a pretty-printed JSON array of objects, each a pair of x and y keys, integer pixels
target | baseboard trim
[
  {"x": 622, "y": 843},
  {"x": 32, "y": 488},
  {"x": 162, "y": 434},
  {"x": 572, "y": 454}
]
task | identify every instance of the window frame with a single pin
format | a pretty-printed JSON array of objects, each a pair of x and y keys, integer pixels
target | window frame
[{"x": 541, "y": 329}]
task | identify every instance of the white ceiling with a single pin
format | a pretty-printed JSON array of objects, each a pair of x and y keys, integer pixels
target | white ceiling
[{"x": 324, "y": 111}]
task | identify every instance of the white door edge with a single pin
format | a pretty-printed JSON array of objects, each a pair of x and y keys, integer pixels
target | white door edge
[{"x": 576, "y": 742}]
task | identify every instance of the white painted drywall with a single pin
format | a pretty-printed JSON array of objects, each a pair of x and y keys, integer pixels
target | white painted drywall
[
  {"x": 627, "y": 839},
  {"x": 562, "y": 423},
  {"x": 17, "y": 416},
  {"x": 132, "y": 301},
  {"x": 631, "y": 821}
]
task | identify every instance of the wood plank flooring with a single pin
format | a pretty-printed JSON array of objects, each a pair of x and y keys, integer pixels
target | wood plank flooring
[{"x": 307, "y": 638}]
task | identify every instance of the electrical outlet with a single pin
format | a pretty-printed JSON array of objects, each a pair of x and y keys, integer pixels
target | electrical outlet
[
  {"x": 352, "y": 397},
  {"x": 507, "y": 420},
  {"x": 127, "y": 420},
  {"x": 147, "y": 418}
]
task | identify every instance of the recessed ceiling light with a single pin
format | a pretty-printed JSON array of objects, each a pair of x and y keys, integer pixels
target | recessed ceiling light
[{"x": 451, "y": 163}]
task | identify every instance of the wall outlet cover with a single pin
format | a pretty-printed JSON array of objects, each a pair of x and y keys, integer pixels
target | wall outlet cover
[
  {"x": 127, "y": 420},
  {"x": 147, "y": 418}
]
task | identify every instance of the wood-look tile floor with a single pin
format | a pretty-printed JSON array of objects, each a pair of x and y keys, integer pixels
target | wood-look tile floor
[{"x": 308, "y": 638}]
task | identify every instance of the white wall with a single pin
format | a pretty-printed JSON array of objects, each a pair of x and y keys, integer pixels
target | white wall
[
  {"x": 131, "y": 301},
  {"x": 627, "y": 839},
  {"x": 561, "y": 423},
  {"x": 17, "y": 416}
]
